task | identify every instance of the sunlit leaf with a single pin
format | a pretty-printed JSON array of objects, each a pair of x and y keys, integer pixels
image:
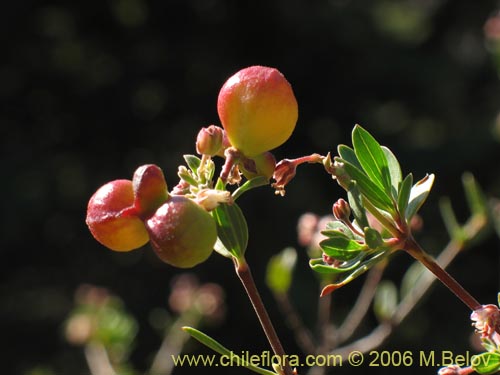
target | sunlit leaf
[
  {"x": 372, "y": 158},
  {"x": 355, "y": 201},
  {"x": 486, "y": 363},
  {"x": 193, "y": 162},
  {"x": 347, "y": 153},
  {"x": 394, "y": 170},
  {"x": 404, "y": 194},
  {"x": 419, "y": 193},
  {"x": 222, "y": 350},
  {"x": 368, "y": 188},
  {"x": 232, "y": 228}
]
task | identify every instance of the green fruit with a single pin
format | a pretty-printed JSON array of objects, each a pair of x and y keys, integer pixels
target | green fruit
[
  {"x": 182, "y": 233},
  {"x": 112, "y": 218}
]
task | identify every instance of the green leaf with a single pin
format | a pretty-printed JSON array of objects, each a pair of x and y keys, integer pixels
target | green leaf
[
  {"x": 347, "y": 153},
  {"x": 355, "y": 201},
  {"x": 486, "y": 363},
  {"x": 373, "y": 238},
  {"x": 394, "y": 170},
  {"x": 368, "y": 188},
  {"x": 404, "y": 194},
  {"x": 355, "y": 271},
  {"x": 419, "y": 193},
  {"x": 232, "y": 228},
  {"x": 222, "y": 350},
  {"x": 339, "y": 240},
  {"x": 371, "y": 157},
  {"x": 193, "y": 162},
  {"x": 280, "y": 269},
  {"x": 385, "y": 300},
  {"x": 341, "y": 248}
]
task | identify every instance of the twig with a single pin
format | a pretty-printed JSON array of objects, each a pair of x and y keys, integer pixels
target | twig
[
  {"x": 383, "y": 331},
  {"x": 172, "y": 344},
  {"x": 361, "y": 306},
  {"x": 246, "y": 278},
  {"x": 303, "y": 335},
  {"x": 98, "y": 360}
]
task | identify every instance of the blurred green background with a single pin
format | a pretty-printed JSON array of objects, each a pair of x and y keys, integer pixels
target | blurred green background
[{"x": 90, "y": 90}]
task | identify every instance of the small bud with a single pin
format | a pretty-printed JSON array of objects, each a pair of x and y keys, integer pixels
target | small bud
[
  {"x": 450, "y": 370},
  {"x": 341, "y": 210},
  {"x": 210, "y": 141}
]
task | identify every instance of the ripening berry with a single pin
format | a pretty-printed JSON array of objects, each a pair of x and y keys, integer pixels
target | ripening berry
[
  {"x": 112, "y": 219},
  {"x": 150, "y": 189},
  {"x": 182, "y": 233},
  {"x": 258, "y": 109}
]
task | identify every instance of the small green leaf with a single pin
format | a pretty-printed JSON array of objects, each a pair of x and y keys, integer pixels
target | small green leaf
[
  {"x": 486, "y": 363},
  {"x": 334, "y": 247},
  {"x": 419, "y": 193},
  {"x": 222, "y": 350},
  {"x": 347, "y": 153},
  {"x": 368, "y": 188},
  {"x": 355, "y": 201},
  {"x": 340, "y": 241},
  {"x": 280, "y": 269},
  {"x": 373, "y": 238},
  {"x": 232, "y": 228},
  {"x": 385, "y": 300},
  {"x": 404, "y": 194},
  {"x": 394, "y": 170},
  {"x": 193, "y": 162},
  {"x": 371, "y": 157}
]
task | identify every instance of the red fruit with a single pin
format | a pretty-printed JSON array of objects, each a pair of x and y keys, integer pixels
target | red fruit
[
  {"x": 113, "y": 220},
  {"x": 182, "y": 233},
  {"x": 258, "y": 109},
  {"x": 150, "y": 189}
]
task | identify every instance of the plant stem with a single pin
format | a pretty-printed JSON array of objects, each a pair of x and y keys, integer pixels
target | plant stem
[
  {"x": 414, "y": 249},
  {"x": 246, "y": 278}
]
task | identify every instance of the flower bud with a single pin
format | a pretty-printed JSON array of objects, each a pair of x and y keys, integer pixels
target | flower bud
[
  {"x": 341, "y": 210},
  {"x": 112, "y": 217},
  {"x": 258, "y": 109},
  {"x": 209, "y": 141},
  {"x": 150, "y": 189},
  {"x": 182, "y": 233}
]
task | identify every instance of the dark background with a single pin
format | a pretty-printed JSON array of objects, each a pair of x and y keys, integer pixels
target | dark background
[{"x": 90, "y": 90}]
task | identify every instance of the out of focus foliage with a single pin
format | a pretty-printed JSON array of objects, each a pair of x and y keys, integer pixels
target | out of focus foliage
[{"x": 91, "y": 90}]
